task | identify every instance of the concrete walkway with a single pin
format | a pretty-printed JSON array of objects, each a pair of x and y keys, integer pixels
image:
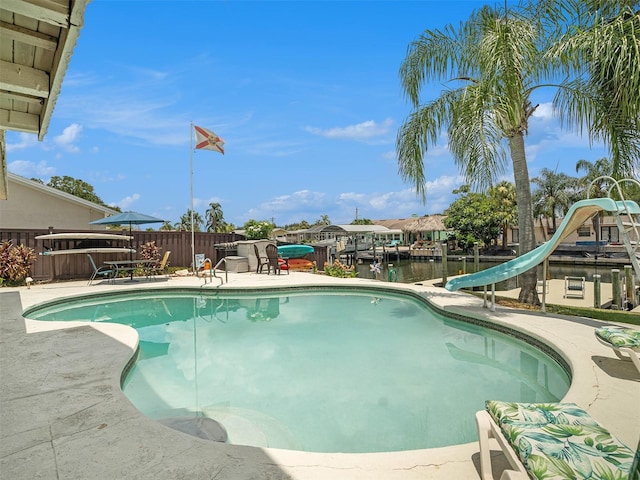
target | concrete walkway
[{"x": 64, "y": 416}]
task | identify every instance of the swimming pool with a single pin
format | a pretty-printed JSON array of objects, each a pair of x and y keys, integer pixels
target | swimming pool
[{"x": 324, "y": 370}]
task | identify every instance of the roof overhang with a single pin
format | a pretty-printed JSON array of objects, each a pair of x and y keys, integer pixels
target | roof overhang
[
  {"x": 360, "y": 229},
  {"x": 37, "y": 38},
  {"x": 54, "y": 192}
]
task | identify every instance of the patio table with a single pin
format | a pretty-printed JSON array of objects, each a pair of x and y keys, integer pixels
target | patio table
[{"x": 128, "y": 265}]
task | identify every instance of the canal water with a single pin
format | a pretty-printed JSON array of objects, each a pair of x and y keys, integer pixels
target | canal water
[{"x": 411, "y": 271}]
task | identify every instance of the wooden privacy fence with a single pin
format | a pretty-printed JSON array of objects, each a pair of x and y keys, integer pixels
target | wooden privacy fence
[
  {"x": 65, "y": 267},
  {"x": 77, "y": 266}
]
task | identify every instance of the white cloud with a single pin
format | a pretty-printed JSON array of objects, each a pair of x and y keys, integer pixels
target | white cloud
[
  {"x": 353, "y": 197},
  {"x": 391, "y": 155},
  {"x": 128, "y": 114},
  {"x": 211, "y": 200},
  {"x": 404, "y": 203},
  {"x": 364, "y": 131},
  {"x": 25, "y": 140},
  {"x": 300, "y": 205},
  {"x": 311, "y": 205},
  {"x": 544, "y": 111},
  {"x": 31, "y": 169},
  {"x": 302, "y": 199},
  {"x": 126, "y": 202},
  {"x": 68, "y": 137},
  {"x": 558, "y": 144},
  {"x": 444, "y": 184},
  {"x": 439, "y": 150}
]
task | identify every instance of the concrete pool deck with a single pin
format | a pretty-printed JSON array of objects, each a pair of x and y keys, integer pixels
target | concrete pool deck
[{"x": 64, "y": 416}]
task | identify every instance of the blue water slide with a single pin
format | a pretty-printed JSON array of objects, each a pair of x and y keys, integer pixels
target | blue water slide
[{"x": 579, "y": 213}]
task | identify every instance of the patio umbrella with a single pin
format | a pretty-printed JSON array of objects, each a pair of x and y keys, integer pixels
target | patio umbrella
[{"x": 130, "y": 218}]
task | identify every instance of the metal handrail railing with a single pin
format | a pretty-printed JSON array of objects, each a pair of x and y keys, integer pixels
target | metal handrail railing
[
  {"x": 631, "y": 248},
  {"x": 212, "y": 271}
]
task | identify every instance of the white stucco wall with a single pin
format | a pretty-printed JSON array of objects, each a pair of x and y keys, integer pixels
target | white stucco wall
[{"x": 33, "y": 207}]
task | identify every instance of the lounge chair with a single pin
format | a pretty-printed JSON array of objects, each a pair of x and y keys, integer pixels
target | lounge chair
[
  {"x": 159, "y": 268},
  {"x": 551, "y": 440},
  {"x": 625, "y": 342},
  {"x": 104, "y": 272}
]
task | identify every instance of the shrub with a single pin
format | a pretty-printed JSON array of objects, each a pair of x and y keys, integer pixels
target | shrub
[
  {"x": 257, "y": 230},
  {"x": 150, "y": 251},
  {"x": 15, "y": 262},
  {"x": 339, "y": 269}
]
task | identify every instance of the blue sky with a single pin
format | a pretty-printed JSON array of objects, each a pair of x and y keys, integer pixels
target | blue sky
[{"x": 305, "y": 94}]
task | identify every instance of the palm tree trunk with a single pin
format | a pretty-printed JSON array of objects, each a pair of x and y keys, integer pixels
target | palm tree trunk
[
  {"x": 505, "y": 239},
  {"x": 528, "y": 280}
]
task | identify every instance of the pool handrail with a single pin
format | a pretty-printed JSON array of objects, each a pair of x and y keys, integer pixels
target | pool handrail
[{"x": 212, "y": 271}]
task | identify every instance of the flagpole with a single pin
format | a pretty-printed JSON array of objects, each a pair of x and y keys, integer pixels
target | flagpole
[
  {"x": 207, "y": 140},
  {"x": 193, "y": 252}
]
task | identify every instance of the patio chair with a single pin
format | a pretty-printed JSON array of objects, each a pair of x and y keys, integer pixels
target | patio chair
[
  {"x": 159, "y": 268},
  {"x": 104, "y": 272},
  {"x": 625, "y": 342},
  {"x": 534, "y": 439},
  {"x": 262, "y": 259},
  {"x": 274, "y": 261}
]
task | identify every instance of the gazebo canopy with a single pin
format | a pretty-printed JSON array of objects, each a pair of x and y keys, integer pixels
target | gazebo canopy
[{"x": 428, "y": 223}]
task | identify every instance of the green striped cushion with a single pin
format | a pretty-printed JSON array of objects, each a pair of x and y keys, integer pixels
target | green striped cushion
[
  {"x": 538, "y": 413},
  {"x": 620, "y": 337}
]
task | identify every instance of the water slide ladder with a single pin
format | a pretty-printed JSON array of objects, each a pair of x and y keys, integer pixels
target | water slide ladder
[{"x": 627, "y": 221}]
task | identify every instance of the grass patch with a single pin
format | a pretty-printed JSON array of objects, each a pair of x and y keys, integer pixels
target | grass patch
[{"x": 595, "y": 313}]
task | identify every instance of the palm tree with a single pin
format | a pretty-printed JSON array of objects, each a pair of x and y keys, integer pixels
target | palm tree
[
  {"x": 600, "y": 50},
  {"x": 166, "y": 226},
  {"x": 323, "y": 220},
  {"x": 554, "y": 194},
  {"x": 215, "y": 217},
  {"x": 497, "y": 59},
  {"x": 504, "y": 198},
  {"x": 185, "y": 222},
  {"x": 595, "y": 184}
]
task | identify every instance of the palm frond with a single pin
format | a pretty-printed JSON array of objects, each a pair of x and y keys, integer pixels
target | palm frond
[
  {"x": 420, "y": 131},
  {"x": 475, "y": 138},
  {"x": 432, "y": 56}
]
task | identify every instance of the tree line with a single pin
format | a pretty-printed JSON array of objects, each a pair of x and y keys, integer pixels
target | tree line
[
  {"x": 491, "y": 64},
  {"x": 483, "y": 217}
]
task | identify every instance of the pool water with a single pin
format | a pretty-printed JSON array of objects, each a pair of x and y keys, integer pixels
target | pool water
[{"x": 359, "y": 371}]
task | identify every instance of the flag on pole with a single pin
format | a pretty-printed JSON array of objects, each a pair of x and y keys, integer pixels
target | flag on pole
[{"x": 207, "y": 140}]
